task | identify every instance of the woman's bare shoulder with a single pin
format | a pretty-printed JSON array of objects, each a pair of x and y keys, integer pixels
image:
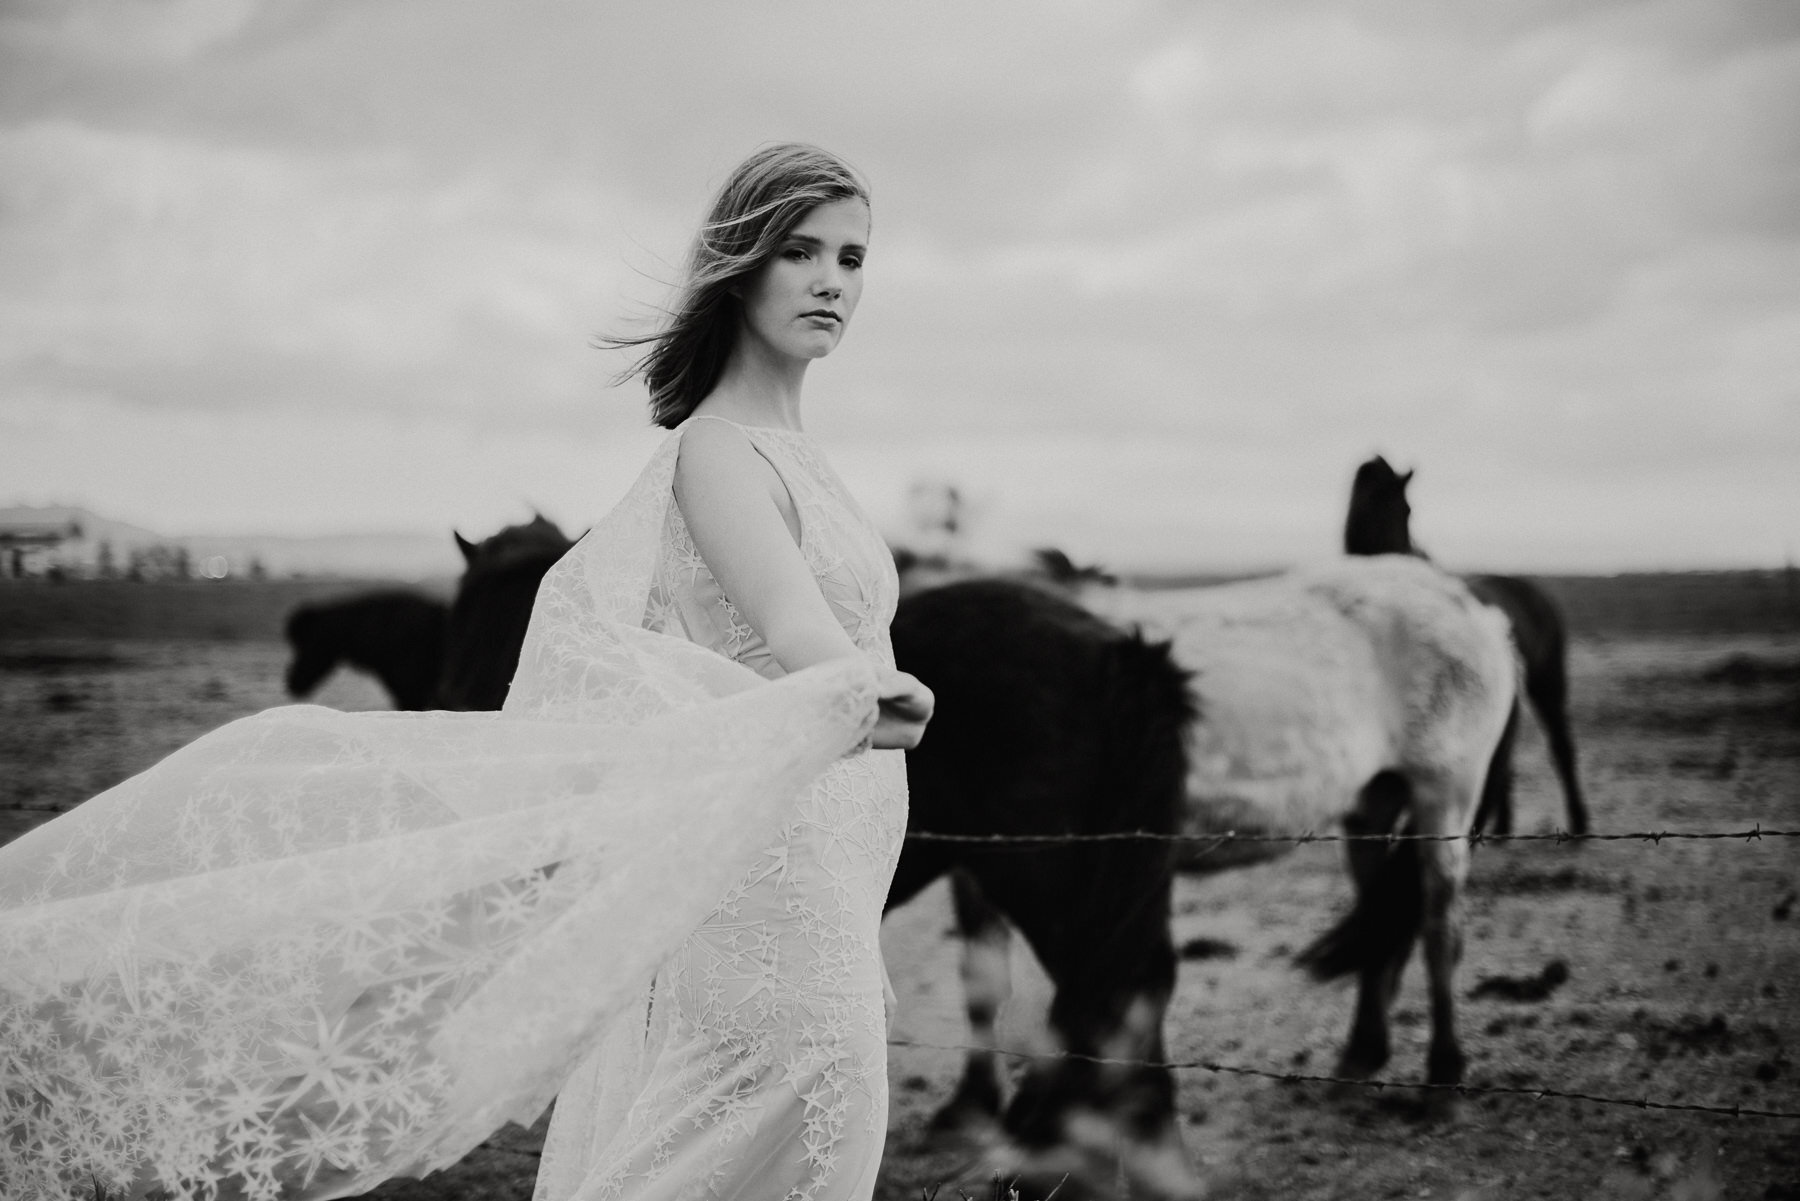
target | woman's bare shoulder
[
  {"x": 715, "y": 449},
  {"x": 719, "y": 469}
]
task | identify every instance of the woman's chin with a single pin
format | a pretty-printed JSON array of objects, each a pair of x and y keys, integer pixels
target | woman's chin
[{"x": 816, "y": 345}]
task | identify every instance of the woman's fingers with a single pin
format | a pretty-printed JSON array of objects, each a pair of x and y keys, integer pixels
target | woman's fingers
[
  {"x": 904, "y": 696},
  {"x": 896, "y": 734},
  {"x": 906, "y": 708}
]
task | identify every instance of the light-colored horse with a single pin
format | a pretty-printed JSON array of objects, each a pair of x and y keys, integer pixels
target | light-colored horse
[{"x": 1368, "y": 695}]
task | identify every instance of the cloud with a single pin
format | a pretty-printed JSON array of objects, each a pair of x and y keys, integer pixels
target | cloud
[
  {"x": 181, "y": 274},
  {"x": 1544, "y": 247},
  {"x": 124, "y": 34}
]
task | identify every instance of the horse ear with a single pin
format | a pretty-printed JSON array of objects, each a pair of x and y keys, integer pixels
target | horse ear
[
  {"x": 465, "y": 546},
  {"x": 1406, "y": 476}
]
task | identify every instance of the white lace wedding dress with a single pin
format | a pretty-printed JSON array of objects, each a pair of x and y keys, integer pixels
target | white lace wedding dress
[
  {"x": 313, "y": 950},
  {"x": 760, "y": 1069}
]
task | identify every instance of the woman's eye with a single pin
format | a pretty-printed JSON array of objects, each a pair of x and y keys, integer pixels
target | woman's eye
[
  {"x": 852, "y": 262},
  {"x": 795, "y": 253}
]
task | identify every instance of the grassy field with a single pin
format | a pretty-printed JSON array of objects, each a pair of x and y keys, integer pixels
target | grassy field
[{"x": 1683, "y": 959}]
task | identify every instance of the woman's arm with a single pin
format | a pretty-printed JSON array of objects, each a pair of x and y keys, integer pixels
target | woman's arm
[{"x": 732, "y": 500}]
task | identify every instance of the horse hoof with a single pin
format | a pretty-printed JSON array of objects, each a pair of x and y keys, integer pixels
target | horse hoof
[
  {"x": 960, "y": 1124},
  {"x": 1443, "y": 1106},
  {"x": 1360, "y": 1065}
]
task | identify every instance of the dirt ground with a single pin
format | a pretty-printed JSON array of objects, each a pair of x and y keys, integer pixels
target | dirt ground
[{"x": 1682, "y": 959}]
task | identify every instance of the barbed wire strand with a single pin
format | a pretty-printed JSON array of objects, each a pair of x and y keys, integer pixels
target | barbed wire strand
[
  {"x": 1755, "y": 833},
  {"x": 1535, "y": 1092}
]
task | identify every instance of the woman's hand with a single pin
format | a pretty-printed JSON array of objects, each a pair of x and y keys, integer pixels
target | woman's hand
[{"x": 906, "y": 706}]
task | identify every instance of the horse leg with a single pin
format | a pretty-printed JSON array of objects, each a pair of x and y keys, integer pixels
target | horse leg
[
  {"x": 1381, "y": 874},
  {"x": 1496, "y": 794},
  {"x": 1440, "y": 807},
  {"x": 1549, "y": 693},
  {"x": 1111, "y": 958},
  {"x": 987, "y": 984}
]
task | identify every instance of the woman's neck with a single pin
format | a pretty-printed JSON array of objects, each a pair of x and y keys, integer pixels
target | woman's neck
[{"x": 757, "y": 388}]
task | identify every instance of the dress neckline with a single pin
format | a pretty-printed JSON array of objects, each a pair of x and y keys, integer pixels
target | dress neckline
[{"x": 767, "y": 429}]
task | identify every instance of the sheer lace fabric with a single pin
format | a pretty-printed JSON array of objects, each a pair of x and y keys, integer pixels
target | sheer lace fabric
[
  {"x": 759, "y": 1069},
  {"x": 313, "y": 950}
]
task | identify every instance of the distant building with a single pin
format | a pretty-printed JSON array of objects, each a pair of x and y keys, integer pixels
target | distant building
[
  {"x": 38, "y": 546},
  {"x": 55, "y": 540},
  {"x": 64, "y": 541}
]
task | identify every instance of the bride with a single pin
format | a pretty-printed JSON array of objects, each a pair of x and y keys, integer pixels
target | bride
[{"x": 314, "y": 950}]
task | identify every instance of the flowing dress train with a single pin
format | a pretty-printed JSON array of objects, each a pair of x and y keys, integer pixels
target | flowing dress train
[{"x": 313, "y": 950}]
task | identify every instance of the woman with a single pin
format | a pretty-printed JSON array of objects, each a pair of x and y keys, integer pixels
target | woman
[
  {"x": 314, "y": 950},
  {"x": 762, "y": 1072}
]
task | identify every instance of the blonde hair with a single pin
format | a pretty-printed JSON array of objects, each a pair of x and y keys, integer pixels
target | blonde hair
[{"x": 759, "y": 204}]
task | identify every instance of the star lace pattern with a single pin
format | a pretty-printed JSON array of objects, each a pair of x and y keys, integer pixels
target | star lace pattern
[{"x": 314, "y": 950}]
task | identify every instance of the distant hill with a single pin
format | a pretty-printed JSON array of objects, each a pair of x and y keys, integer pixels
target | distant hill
[
  {"x": 394, "y": 556},
  {"x": 93, "y": 527},
  {"x": 370, "y": 556}
]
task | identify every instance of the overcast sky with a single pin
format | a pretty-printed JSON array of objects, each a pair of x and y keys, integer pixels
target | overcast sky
[{"x": 1148, "y": 280}]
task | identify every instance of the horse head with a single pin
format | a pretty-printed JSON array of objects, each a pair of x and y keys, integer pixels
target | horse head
[
  {"x": 492, "y": 608},
  {"x": 1379, "y": 522},
  {"x": 314, "y": 656}
]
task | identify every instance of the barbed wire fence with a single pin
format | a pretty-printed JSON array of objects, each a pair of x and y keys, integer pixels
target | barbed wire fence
[
  {"x": 1534, "y": 1092},
  {"x": 1214, "y": 840},
  {"x": 1755, "y": 833}
]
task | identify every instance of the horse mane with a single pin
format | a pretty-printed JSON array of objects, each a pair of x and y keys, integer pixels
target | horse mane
[
  {"x": 539, "y": 540},
  {"x": 1065, "y": 572}
]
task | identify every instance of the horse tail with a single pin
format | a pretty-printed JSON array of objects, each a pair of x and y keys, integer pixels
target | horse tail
[{"x": 1389, "y": 909}]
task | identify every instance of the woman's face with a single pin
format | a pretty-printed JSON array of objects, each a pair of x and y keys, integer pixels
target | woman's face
[{"x": 798, "y": 303}]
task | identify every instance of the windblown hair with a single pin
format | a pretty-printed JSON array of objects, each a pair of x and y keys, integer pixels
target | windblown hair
[{"x": 761, "y": 202}]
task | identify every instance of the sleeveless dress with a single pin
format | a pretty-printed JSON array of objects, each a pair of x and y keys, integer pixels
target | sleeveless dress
[
  {"x": 760, "y": 1069},
  {"x": 314, "y": 950}
]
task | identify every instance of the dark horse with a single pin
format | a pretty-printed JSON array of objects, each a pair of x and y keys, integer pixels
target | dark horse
[
  {"x": 487, "y": 623},
  {"x": 427, "y": 654},
  {"x": 1379, "y": 523},
  {"x": 397, "y": 636},
  {"x": 1050, "y": 721}
]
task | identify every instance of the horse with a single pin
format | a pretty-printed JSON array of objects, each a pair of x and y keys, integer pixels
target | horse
[
  {"x": 1053, "y": 722},
  {"x": 1379, "y": 522},
  {"x": 396, "y": 635},
  {"x": 430, "y": 655},
  {"x": 492, "y": 607},
  {"x": 1368, "y": 693}
]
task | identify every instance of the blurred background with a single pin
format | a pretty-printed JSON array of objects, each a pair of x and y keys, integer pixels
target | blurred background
[{"x": 300, "y": 286}]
